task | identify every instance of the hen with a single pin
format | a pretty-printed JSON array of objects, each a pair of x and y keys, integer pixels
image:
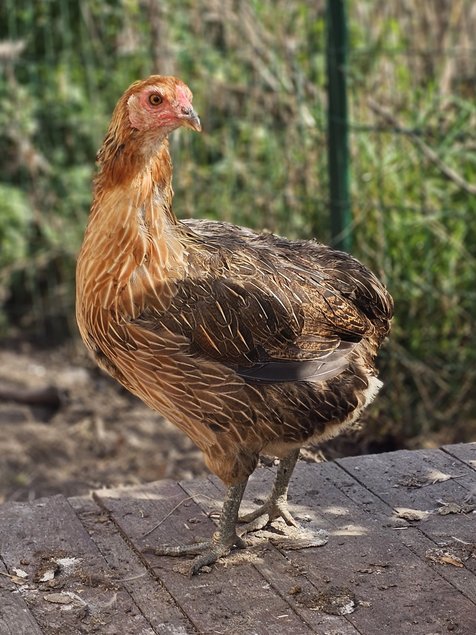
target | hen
[{"x": 250, "y": 343}]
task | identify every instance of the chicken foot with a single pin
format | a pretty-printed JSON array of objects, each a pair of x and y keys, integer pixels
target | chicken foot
[
  {"x": 276, "y": 506},
  {"x": 222, "y": 541}
]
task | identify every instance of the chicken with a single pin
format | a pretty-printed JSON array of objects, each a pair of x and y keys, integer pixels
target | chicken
[{"x": 250, "y": 343}]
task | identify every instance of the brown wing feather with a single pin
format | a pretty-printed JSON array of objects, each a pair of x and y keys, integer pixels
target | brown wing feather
[{"x": 250, "y": 304}]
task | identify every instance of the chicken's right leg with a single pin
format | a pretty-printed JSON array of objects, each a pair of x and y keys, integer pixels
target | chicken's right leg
[{"x": 222, "y": 541}]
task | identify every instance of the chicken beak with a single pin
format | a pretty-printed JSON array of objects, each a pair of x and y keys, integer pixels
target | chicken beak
[{"x": 190, "y": 119}]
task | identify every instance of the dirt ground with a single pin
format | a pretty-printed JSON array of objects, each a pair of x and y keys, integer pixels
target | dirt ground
[{"x": 66, "y": 428}]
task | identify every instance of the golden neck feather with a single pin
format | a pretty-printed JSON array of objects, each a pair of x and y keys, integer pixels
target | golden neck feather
[{"x": 131, "y": 246}]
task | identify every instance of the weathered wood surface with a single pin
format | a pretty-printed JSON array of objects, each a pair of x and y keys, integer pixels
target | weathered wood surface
[{"x": 76, "y": 566}]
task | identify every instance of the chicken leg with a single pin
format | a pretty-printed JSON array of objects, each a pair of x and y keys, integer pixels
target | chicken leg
[
  {"x": 276, "y": 505},
  {"x": 222, "y": 541}
]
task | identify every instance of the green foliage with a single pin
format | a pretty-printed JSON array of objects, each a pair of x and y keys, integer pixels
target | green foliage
[
  {"x": 15, "y": 225},
  {"x": 257, "y": 69}
]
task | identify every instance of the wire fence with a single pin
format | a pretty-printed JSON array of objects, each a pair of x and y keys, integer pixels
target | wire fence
[{"x": 258, "y": 72}]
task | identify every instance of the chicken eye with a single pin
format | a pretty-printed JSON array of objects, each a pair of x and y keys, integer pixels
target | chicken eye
[{"x": 155, "y": 99}]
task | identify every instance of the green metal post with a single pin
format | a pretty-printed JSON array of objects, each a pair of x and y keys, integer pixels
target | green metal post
[{"x": 337, "y": 122}]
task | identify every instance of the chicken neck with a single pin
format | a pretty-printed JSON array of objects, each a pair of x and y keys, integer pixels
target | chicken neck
[{"x": 133, "y": 242}]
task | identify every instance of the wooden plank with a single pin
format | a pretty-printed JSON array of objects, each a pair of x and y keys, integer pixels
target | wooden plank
[
  {"x": 420, "y": 480},
  {"x": 69, "y": 587},
  {"x": 15, "y": 617},
  {"x": 286, "y": 579},
  {"x": 396, "y": 591},
  {"x": 153, "y": 600},
  {"x": 379, "y": 562},
  {"x": 424, "y": 481},
  {"x": 379, "y": 490},
  {"x": 465, "y": 452},
  {"x": 410, "y": 475},
  {"x": 234, "y": 599}
]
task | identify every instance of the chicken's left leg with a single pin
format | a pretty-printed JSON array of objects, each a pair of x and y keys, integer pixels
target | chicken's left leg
[
  {"x": 222, "y": 540},
  {"x": 276, "y": 506}
]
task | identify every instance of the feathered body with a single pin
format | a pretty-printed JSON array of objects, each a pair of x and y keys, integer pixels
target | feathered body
[{"x": 250, "y": 343}]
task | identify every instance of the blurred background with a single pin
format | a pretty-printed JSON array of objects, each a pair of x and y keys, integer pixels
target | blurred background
[{"x": 258, "y": 72}]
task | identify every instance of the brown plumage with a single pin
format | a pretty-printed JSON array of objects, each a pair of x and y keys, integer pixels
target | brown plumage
[{"x": 250, "y": 343}]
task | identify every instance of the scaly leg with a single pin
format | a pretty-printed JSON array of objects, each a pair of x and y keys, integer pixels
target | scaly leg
[
  {"x": 222, "y": 540},
  {"x": 277, "y": 504}
]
